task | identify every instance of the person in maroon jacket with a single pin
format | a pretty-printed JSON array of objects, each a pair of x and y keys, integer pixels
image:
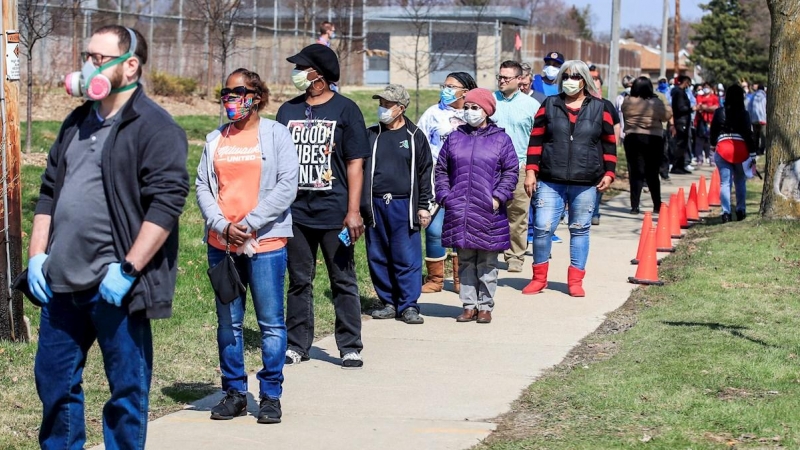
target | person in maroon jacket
[
  {"x": 476, "y": 174},
  {"x": 572, "y": 155}
]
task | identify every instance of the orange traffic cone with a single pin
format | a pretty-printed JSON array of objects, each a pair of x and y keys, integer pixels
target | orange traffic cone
[
  {"x": 691, "y": 206},
  {"x": 647, "y": 271},
  {"x": 663, "y": 241},
  {"x": 702, "y": 196},
  {"x": 713, "y": 189},
  {"x": 674, "y": 218},
  {"x": 682, "y": 209},
  {"x": 647, "y": 223}
]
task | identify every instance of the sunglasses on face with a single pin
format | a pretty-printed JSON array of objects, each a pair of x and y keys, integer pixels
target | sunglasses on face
[
  {"x": 502, "y": 78},
  {"x": 472, "y": 107},
  {"x": 574, "y": 76},
  {"x": 239, "y": 91}
]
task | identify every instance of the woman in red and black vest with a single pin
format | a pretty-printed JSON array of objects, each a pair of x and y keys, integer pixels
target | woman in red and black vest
[{"x": 572, "y": 155}]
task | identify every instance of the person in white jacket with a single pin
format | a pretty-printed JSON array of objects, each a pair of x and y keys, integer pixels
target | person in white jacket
[{"x": 437, "y": 122}]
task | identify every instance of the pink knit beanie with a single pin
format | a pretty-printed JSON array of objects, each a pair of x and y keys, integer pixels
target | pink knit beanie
[{"x": 483, "y": 98}]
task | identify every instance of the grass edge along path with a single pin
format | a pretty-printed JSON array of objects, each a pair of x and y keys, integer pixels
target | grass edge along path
[{"x": 710, "y": 360}]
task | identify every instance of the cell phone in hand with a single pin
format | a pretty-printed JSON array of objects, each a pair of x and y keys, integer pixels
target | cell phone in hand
[{"x": 344, "y": 236}]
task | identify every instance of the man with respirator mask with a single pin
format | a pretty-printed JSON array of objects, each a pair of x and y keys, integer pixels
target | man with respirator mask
[
  {"x": 104, "y": 245},
  {"x": 331, "y": 140},
  {"x": 397, "y": 195},
  {"x": 547, "y": 83}
]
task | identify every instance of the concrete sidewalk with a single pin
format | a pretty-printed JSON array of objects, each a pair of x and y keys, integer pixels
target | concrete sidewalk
[{"x": 438, "y": 385}]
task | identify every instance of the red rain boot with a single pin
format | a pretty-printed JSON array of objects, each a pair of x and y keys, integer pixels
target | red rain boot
[
  {"x": 539, "y": 281},
  {"x": 575, "y": 281}
]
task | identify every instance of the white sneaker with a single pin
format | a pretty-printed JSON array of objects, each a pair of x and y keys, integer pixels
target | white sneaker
[
  {"x": 689, "y": 167},
  {"x": 352, "y": 360},
  {"x": 292, "y": 358}
]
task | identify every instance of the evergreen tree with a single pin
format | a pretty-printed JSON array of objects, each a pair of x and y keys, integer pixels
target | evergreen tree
[{"x": 724, "y": 49}]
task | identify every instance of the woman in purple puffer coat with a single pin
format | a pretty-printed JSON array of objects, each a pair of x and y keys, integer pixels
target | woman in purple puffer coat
[{"x": 476, "y": 175}]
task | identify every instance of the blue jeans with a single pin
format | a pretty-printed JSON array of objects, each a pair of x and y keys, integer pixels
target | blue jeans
[
  {"x": 726, "y": 170},
  {"x": 70, "y": 324},
  {"x": 394, "y": 255},
  {"x": 433, "y": 237},
  {"x": 264, "y": 274},
  {"x": 597, "y": 201},
  {"x": 550, "y": 201}
]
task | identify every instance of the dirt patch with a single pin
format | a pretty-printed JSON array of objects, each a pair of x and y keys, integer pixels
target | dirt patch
[
  {"x": 34, "y": 159},
  {"x": 56, "y": 105}
]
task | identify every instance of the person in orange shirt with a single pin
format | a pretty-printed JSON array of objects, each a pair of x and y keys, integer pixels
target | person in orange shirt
[{"x": 246, "y": 183}]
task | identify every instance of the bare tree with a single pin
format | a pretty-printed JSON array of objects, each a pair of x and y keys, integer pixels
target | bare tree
[
  {"x": 781, "y": 194},
  {"x": 424, "y": 55},
  {"x": 218, "y": 17},
  {"x": 36, "y": 22}
]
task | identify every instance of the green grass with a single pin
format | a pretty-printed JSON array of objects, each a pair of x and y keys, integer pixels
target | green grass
[{"x": 711, "y": 362}]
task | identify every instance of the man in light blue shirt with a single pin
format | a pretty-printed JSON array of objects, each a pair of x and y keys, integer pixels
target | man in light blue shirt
[{"x": 515, "y": 113}]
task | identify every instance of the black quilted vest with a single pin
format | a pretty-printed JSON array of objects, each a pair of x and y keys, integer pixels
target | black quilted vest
[{"x": 572, "y": 154}]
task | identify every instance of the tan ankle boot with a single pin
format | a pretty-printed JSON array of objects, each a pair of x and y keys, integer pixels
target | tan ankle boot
[
  {"x": 434, "y": 282},
  {"x": 456, "y": 278}
]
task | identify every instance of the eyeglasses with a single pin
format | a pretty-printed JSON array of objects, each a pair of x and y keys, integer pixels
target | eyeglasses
[
  {"x": 239, "y": 91},
  {"x": 505, "y": 79},
  {"x": 97, "y": 58},
  {"x": 574, "y": 76},
  {"x": 450, "y": 86},
  {"x": 472, "y": 107}
]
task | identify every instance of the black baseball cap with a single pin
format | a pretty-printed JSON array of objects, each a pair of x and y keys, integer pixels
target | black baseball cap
[{"x": 319, "y": 57}]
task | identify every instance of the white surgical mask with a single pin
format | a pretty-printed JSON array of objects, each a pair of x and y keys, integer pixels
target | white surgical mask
[
  {"x": 571, "y": 87},
  {"x": 707, "y": 91},
  {"x": 550, "y": 72},
  {"x": 385, "y": 115},
  {"x": 300, "y": 79},
  {"x": 474, "y": 117}
]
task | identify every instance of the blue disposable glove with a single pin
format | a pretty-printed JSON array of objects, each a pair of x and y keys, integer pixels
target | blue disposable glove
[
  {"x": 115, "y": 284},
  {"x": 37, "y": 284}
]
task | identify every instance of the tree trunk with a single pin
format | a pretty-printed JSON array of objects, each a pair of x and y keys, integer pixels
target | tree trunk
[
  {"x": 781, "y": 194},
  {"x": 29, "y": 105}
]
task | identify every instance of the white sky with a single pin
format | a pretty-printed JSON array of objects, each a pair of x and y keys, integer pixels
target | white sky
[{"x": 637, "y": 12}]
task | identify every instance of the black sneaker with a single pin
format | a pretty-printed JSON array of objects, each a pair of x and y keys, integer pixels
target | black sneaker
[
  {"x": 740, "y": 215},
  {"x": 232, "y": 405},
  {"x": 387, "y": 312},
  {"x": 411, "y": 316},
  {"x": 726, "y": 218},
  {"x": 294, "y": 358},
  {"x": 269, "y": 410}
]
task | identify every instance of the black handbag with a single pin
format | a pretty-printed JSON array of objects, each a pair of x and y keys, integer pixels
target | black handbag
[{"x": 224, "y": 277}]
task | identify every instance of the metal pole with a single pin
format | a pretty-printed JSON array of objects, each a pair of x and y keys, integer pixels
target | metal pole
[
  {"x": 613, "y": 63},
  {"x": 274, "y": 41},
  {"x": 119, "y": 12},
  {"x": 676, "y": 40},
  {"x": 350, "y": 44},
  {"x": 254, "y": 55},
  {"x": 150, "y": 44},
  {"x": 180, "y": 38},
  {"x": 664, "y": 32}
]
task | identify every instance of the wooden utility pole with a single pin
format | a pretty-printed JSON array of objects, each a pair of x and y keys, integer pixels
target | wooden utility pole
[
  {"x": 662, "y": 73},
  {"x": 12, "y": 325},
  {"x": 676, "y": 39}
]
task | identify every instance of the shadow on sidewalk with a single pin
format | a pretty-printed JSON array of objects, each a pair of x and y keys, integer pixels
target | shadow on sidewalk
[
  {"x": 192, "y": 392},
  {"x": 439, "y": 310}
]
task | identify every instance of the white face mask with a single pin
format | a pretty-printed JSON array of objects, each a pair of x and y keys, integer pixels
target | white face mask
[
  {"x": 571, "y": 87},
  {"x": 550, "y": 72},
  {"x": 385, "y": 115},
  {"x": 300, "y": 79},
  {"x": 474, "y": 117}
]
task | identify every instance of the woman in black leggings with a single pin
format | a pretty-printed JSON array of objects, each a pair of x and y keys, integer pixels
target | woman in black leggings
[{"x": 644, "y": 114}]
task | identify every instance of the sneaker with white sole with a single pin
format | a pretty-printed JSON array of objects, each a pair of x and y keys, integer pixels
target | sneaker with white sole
[
  {"x": 294, "y": 358},
  {"x": 352, "y": 360},
  {"x": 556, "y": 239}
]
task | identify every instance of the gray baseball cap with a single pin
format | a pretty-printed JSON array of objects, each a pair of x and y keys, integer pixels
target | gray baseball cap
[{"x": 394, "y": 93}]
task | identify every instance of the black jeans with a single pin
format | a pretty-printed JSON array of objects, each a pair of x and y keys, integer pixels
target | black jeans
[
  {"x": 760, "y": 133},
  {"x": 644, "y": 152},
  {"x": 681, "y": 145},
  {"x": 667, "y": 155},
  {"x": 302, "y": 265}
]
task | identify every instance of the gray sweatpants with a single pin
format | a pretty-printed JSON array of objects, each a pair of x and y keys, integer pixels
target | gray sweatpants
[{"x": 478, "y": 272}]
